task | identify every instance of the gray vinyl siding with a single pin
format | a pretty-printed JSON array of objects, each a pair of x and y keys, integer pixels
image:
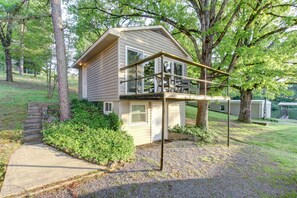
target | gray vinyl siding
[
  {"x": 79, "y": 83},
  {"x": 150, "y": 42},
  {"x": 102, "y": 75}
]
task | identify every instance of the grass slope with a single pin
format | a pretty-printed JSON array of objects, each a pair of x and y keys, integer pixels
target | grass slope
[
  {"x": 14, "y": 98},
  {"x": 278, "y": 141}
]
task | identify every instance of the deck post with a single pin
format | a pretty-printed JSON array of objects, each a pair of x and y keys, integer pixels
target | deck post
[
  {"x": 163, "y": 116},
  {"x": 228, "y": 127}
]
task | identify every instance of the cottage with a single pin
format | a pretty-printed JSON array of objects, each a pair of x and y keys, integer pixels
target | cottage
[
  {"x": 258, "y": 107},
  {"x": 139, "y": 73}
]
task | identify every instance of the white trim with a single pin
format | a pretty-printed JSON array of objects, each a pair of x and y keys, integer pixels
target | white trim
[
  {"x": 130, "y": 114},
  {"x": 84, "y": 82},
  {"x": 119, "y": 65},
  {"x": 100, "y": 39},
  {"x": 126, "y": 63},
  {"x": 106, "y": 112}
]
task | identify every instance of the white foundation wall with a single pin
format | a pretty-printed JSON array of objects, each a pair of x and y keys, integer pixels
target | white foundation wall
[{"x": 144, "y": 133}]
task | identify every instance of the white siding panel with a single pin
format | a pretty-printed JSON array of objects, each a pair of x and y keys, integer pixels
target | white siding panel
[
  {"x": 140, "y": 133},
  {"x": 176, "y": 115},
  {"x": 102, "y": 72}
]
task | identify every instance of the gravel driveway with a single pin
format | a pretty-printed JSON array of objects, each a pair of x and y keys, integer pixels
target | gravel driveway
[{"x": 190, "y": 171}]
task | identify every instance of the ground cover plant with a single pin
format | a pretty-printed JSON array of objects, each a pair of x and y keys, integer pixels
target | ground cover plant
[
  {"x": 91, "y": 135},
  {"x": 201, "y": 135}
]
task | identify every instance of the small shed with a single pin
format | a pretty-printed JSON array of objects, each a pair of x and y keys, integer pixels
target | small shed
[
  {"x": 284, "y": 109},
  {"x": 258, "y": 107}
]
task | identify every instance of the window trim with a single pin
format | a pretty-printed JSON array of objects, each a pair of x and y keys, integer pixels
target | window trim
[
  {"x": 145, "y": 113},
  {"x": 109, "y": 111},
  {"x": 126, "y": 63}
]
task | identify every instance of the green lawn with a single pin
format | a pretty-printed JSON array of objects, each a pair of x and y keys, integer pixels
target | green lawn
[
  {"x": 14, "y": 98},
  {"x": 278, "y": 140}
]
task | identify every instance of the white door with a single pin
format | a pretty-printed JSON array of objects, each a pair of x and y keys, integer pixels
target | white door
[
  {"x": 84, "y": 82},
  {"x": 156, "y": 121}
]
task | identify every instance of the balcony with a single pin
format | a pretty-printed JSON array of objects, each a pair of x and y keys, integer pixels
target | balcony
[{"x": 164, "y": 75}]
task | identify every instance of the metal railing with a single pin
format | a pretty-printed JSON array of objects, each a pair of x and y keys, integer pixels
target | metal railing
[{"x": 169, "y": 82}]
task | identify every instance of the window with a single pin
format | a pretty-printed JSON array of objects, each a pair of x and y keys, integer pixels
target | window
[
  {"x": 178, "y": 69},
  {"x": 132, "y": 56},
  {"x": 138, "y": 113},
  {"x": 222, "y": 108},
  {"x": 108, "y": 107}
]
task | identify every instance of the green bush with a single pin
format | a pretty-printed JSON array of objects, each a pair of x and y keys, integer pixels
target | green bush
[
  {"x": 91, "y": 114},
  {"x": 90, "y": 135},
  {"x": 201, "y": 134},
  {"x": 95, "y": 145}
]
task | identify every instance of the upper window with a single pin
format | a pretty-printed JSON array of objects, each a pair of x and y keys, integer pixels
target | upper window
[
  {"x": 178, "y": 69},
  {"x": 108, "y": 107},
  {"x": 133, "y": 56},
  {"x": 138, "y": 113}
]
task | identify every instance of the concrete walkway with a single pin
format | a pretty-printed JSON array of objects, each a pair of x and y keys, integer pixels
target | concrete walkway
[{"x": 33, "y": 166}]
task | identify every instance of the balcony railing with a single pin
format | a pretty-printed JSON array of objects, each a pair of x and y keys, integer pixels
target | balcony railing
[{"x": 141, "y": 82}]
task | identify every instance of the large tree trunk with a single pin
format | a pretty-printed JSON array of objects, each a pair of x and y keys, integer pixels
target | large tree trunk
[
  {"x": 61, "y": 60},
  {"x": 202, "y": 113},
  {"x": 8, "y": 62},
  {"x": 245, "y": 106}
]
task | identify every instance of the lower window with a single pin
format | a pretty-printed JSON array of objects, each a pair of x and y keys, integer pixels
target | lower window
[
  {"x": 108, "y": 107},
  {"x": 138, "y": 113}
]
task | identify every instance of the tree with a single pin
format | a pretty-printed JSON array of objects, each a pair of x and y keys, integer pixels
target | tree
[
  {"x": 61, "y": 60},
  {"x": 263, "y": 44},
  {"x": 10, "y": 10},
  {"x": 204, "y": 23}
]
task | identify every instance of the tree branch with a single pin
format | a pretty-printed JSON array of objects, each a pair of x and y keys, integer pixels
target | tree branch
[
  {"x": 152, "y": 15},
  {"x": 267, "y": 35},
  {"x": 21, "y": 18},
  {"x": 226, "y": 27},
  {"x": 221, "y": 11}
]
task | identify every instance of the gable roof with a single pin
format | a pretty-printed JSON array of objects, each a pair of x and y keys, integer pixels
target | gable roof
[{"x": 112, "y": 35}]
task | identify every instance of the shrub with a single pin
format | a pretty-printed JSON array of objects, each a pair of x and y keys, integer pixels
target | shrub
[
  {"x": 95, "y": 145},
  {"x": 202, "y": 135},
  {"x": 90, "y": 134},
  {"x": 91, "y": 114}
]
